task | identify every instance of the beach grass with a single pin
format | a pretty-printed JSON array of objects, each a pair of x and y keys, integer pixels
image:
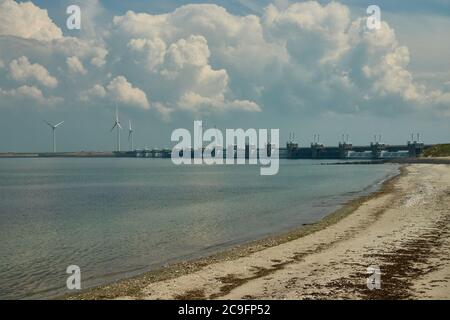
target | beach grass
[{"x": 439, "y": 150}]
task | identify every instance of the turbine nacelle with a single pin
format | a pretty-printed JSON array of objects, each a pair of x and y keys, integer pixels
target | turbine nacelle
[
  {"x": 53, "y": 126},
  {"x": 117, "y": 126},
  {"x": 130, "y": 135},
  {"x": 130, "y": 130}
]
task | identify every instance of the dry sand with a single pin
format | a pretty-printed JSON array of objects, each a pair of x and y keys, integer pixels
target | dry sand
[{"x": 404, "y": 230}]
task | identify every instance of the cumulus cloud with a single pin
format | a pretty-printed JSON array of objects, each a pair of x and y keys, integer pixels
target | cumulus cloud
[
  {"x": 123, "y": 91},
  {"x": 201, "y": 59},
  {"x": 195, "y": 102},
  {"x": 312, "y": 33},
  {"x": 22, "y": 70},
  {"x": 153, "y": 51},
  {"x": 184, "y": 67},
  {"x": 119, "y": 90},
  {"x": 85, "y": 49},
  {"x": 340, "y": 65},
  {"x": 26, "y": 20},
  {"x": 97, "y": 91},
  {"x": 75, "y": 65},
  {"x": 25, "y": 93}
]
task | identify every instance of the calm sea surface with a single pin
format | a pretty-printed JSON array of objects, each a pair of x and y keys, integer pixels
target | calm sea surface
[{"x": 119, "y": 217}]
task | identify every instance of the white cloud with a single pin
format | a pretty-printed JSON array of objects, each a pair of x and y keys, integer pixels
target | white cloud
[
  {"x": 26, "y": 20},
  {"x": 192, "y": 101},
  {"x": 82, "y": 48},
  {"x": 22, "y": 70},
  {"x": 153, "y": 51},
  {"x": 97, "y": 91},
  {"x": 118, "y": 90},
  {"x": 339, "y": 64},
  {"x": 312, "y": 33},
  {"x": 75, "y": 65},
  {"x": 99, "y": 58},
  {"x": 121, "y": 90},
  {"x": 183, "y": 68},
  {"x": 193, "y": 51},
  {"x": 244, "y": 105},
  {"x": 201, "y": 59},
  {"x": 30, "y": 93}
]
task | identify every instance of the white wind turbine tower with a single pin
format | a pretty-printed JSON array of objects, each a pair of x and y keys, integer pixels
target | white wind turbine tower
[
  {"x": 119, "y": 127},
  {"x": 54, "y": 133},
  {"x": 130, "y": 135}
]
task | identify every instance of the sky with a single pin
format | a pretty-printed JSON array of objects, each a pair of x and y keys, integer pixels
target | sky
[{"x": 308, "y": 67}]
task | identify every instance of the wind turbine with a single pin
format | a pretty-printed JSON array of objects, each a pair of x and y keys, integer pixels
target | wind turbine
[
  {"x": 130, "y": 135},
  {"x": 119, "y": 127},
  {"x": 54, "y": 134}
]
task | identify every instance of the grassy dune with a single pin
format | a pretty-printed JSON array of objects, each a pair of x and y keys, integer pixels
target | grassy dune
[{"x": 439, "y": 150}]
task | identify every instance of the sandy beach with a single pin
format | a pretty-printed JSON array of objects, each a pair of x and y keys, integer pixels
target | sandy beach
[{"x": 403, "y": 229}]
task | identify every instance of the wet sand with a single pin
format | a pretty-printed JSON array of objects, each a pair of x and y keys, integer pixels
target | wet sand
[{"x": 404, "y": 229}]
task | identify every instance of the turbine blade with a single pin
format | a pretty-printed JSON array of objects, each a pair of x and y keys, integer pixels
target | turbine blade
[
  {"x": 118, "y": 123},
  {"x": 59, "y": 124},
  {"x": 129, "y": 135},
  {"x": 49, "y": 124},
  {"x": 115, "y": 124}
]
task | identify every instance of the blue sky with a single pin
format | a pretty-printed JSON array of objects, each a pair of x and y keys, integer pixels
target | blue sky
[{"x": 303, "y": 67}]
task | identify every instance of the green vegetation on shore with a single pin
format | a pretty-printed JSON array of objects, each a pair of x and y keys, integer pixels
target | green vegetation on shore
[{"x": 439, "y": 150}]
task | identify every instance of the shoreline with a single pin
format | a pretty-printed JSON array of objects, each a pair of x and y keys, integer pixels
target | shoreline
[
  {"x": 403, "y": 229},
  {"x": 133, "y": 285}
]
